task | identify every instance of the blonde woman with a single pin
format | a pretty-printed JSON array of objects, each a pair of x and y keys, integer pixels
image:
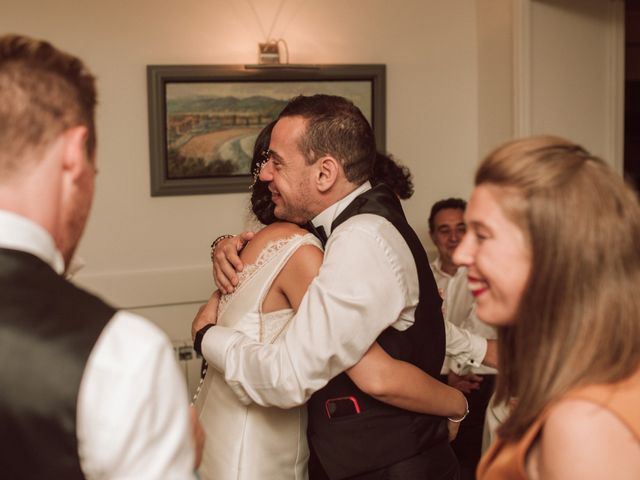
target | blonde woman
[{"x": 553, "y": 256}]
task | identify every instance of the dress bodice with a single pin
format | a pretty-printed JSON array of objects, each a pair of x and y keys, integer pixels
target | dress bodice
[
  {"x": 242, "y": 309},
  {"x": 246, "y": 442}
]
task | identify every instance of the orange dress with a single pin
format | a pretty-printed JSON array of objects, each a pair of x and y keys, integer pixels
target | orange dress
[{"x": 506, "y": 461}]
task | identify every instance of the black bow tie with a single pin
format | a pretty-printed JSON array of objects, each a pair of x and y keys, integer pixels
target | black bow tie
[{"x": 317, "y": 231}]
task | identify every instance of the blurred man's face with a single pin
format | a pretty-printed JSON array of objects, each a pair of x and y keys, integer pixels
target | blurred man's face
[{"x": 449, "y": 228}]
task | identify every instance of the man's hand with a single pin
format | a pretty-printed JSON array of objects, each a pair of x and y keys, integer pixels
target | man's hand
[
  {"x": 491, "y": 357},
  {"x": 226, "y": 261},
  {"x": 208, "y": 313},
  {"x": 464, "y": 383},
  {"x": 198, "y": 435}
]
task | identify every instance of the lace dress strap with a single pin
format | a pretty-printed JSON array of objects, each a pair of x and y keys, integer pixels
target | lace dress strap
[{"x": 267, "y": 266}]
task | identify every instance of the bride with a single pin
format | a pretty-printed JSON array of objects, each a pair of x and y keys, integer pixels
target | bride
[{"x": 245, "y": 441}]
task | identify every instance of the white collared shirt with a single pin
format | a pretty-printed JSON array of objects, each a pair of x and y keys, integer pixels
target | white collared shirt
[
  {"x": 464, "y": 328},
  {"x": 368, "y": 282},
  {"x": 132, "y": 416}
]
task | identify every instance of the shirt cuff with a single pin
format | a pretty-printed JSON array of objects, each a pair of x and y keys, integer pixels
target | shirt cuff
[
  {"x": 215, "y": 343},
  {"x": 461, "y": 363}
]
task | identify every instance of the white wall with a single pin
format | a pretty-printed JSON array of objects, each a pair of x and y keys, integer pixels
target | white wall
[
  {"x": 449, "y": 100},
  {"x": 551, "y": 66},
  {"x": 575, "y": 58},
  {"x": 495, "y": 74},
  {"x": 142, "y": 251}
]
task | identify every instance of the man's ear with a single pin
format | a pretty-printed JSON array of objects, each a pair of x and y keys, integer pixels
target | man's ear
[
  {"x": 74, "y": 159},
  {"x": 327, "y": 173}
]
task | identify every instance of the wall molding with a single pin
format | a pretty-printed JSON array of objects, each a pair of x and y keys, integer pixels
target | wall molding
[
  {"x": 135, "y": 289},
  {"x": 614, "y": 81}
]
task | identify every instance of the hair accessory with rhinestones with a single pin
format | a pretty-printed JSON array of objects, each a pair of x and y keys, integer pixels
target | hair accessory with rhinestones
[{"x": 256, "y": 171}]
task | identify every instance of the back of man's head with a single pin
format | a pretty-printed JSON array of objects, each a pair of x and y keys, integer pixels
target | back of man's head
[
  {"x": 335, "y": 127},
  {"x": 43, "y": 92}
]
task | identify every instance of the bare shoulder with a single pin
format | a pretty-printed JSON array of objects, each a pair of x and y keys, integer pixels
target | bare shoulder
[
  {"x": 270, "y": 233},
  {"x": 307, "y": 257},
  {"x": 283, "y": 229},
  {"x": 582, "y": 439},
  {"x": 277, "y": 231}
]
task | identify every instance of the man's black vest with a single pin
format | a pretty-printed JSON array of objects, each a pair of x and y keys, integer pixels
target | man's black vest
[
  {"x": 382, "y": 435},
  {"x": 48, "y": 328}
]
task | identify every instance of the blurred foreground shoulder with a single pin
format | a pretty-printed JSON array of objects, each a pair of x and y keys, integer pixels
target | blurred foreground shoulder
[
  {"x": 270, "y": 233},
  {"x": 133, "y": 418},
  {"x": 582, "y": 439},
  {"x": 279, "y": 230}
]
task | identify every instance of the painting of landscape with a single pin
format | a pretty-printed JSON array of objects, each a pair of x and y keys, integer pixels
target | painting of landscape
[{"x": 211, "y": 126}]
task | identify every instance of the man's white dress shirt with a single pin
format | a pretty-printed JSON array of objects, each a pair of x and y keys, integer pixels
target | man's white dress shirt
[
  {"x": 132, "y": 411},
  {"x": 368, "y": 282},
  {"x": 463, "y": 326}
]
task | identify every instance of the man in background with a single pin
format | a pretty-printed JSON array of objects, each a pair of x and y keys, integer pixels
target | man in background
[
  {"x": 86, "y": 391},
  {"x": 447, "y": 227}
]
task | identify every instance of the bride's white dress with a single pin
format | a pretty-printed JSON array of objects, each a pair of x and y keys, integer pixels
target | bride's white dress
[{"x": 253, "y": 442}]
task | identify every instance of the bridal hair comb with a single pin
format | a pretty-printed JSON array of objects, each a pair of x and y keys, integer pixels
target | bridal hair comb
[{"x": 256, "y": 171}]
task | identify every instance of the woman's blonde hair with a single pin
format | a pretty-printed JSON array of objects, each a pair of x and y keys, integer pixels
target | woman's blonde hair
[{"x": 578, "y": 321}]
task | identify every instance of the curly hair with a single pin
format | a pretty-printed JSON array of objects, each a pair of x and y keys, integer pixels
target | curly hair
[
  {"x": 261, "y": 203},
  {"x": 394, "y": 175}
]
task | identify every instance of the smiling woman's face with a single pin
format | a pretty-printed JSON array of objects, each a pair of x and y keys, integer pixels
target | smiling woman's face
[{"x": 497, "y": 256}]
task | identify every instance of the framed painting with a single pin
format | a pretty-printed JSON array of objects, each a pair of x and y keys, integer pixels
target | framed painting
[{"x": 204, "y": 119}]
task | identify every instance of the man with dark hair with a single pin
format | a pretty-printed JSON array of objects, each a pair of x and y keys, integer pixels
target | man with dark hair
[
  {"x": 335, "y": 126},
  {"x": 460, "y": 227},
  {"x": 374, "y": 285},
  {"x": 87, "y": 391},
  {"x": 447, "y": 227}
]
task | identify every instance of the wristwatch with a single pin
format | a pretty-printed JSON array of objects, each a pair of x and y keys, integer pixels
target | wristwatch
[{"x": 197, "y": 342}]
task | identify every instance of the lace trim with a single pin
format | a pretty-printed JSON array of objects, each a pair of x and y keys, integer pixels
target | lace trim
[
  {"x": 271, "y": 331},
  {"x": 266, "y": 255}
]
